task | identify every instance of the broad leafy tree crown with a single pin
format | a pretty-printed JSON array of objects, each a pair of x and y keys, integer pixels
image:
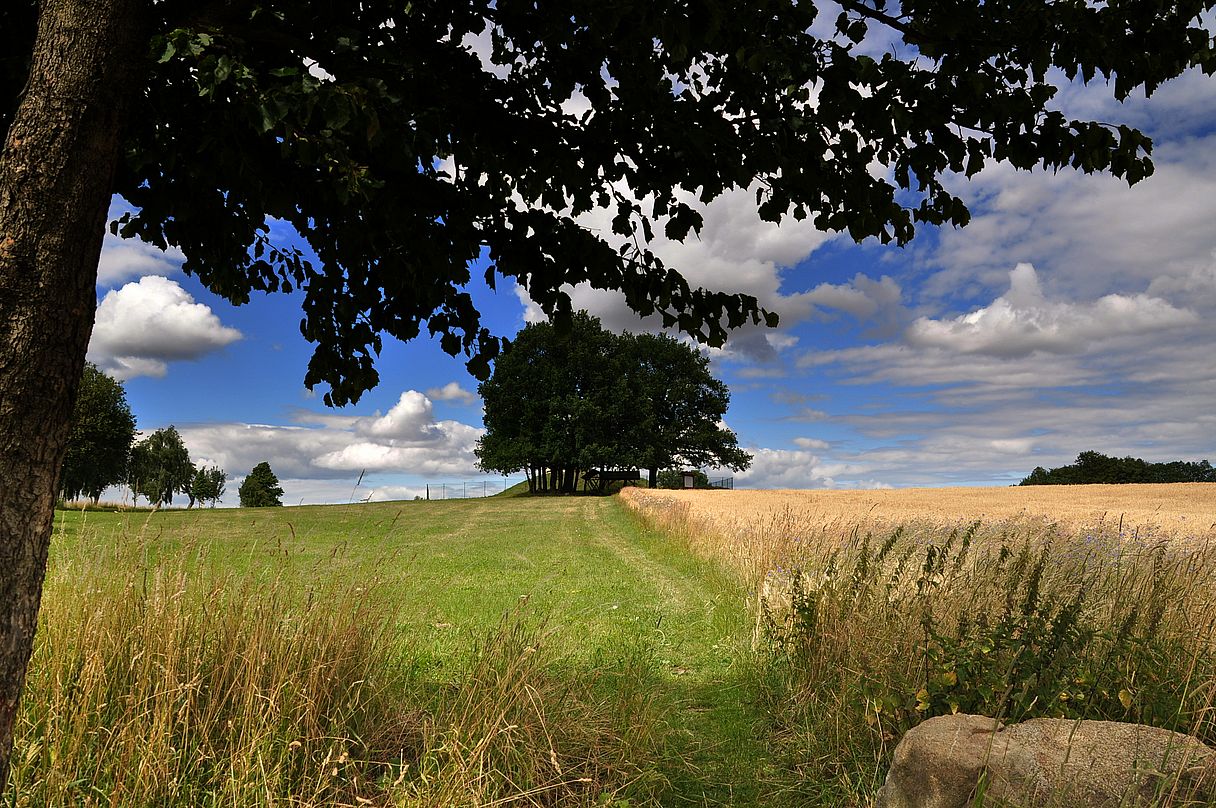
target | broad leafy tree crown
[
  {"x": 261, "y": 488},
  {"x": 591, "y": 399},
  {"x": 103, "y": 429},
  {"x": 160, "y": 466}
]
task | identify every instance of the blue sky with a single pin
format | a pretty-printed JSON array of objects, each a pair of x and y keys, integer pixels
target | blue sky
[{"x": 1073, "y": 313}]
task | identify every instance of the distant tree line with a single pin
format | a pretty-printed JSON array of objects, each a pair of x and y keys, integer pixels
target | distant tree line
[
  {"x": 103, "y": 452},
  {"x": 560, "y": 404},
  {"x": 1095, "y": 467}
]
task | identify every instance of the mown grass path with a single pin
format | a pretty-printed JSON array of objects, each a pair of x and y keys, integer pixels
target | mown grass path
[{"x": 585, "y": 565}]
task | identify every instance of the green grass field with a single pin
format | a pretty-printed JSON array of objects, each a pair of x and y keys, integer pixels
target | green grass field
[{"x": 613, "y": 640}]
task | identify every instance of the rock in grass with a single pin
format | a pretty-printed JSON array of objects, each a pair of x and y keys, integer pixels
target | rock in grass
[{"x": 950, "y": 761}]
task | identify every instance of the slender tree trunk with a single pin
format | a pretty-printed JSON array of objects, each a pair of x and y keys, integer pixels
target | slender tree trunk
[
  {"x": 654, "y": 477},
  {"x": 56, "y": 173}
]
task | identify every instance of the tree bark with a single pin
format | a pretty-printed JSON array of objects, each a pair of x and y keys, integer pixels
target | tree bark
[{"x": 56, "y": 173}]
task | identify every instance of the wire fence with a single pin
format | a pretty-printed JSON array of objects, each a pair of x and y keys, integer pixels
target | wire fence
[{"x": 470, "y": 489}]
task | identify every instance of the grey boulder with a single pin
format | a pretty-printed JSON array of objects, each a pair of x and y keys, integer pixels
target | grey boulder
[{"x": 955, "y": 761}]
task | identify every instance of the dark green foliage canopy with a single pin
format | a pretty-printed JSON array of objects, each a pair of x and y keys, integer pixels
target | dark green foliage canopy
[
  {"x": 160, "y": 466},
  {"x": 207, "y": 485},
  {"x": 679, "y": 406},
  {"x": 553, "y": 400},
  {"x": 100, "y": 443},
  {"x": 261, "y": 488},
  {"x": 1095, "y": 467},
  {"x": 588, "y": 399},
  {"x": 340, "y": 120}
]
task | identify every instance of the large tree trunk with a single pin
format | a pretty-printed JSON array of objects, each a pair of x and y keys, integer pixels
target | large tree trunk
[{"x": 56, "y": 172}]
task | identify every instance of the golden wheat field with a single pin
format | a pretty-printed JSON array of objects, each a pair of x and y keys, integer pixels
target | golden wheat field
[
  {"x": 1181, "y": 509},
  {"x": 754, "y": 531}
]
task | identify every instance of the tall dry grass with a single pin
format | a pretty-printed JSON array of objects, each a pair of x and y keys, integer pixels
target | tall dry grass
[
  {"x": 155, "y": 685},
  {"x": 871, "y": 626},
  {"x": 173, "y": 682},
  {"x": 518, "y": 730}
]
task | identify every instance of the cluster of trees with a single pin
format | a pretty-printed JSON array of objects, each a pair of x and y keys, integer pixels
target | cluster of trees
[
  {"x": 562, "y": 402},
  {"x": 1095, "y": 467},
  {"x": 160, "y": 467},
  {"x": 102, "y": 451}
]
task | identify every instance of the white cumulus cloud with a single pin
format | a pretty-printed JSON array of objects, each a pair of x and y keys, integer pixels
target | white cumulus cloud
[
  {"x": 322, "y": 446},
  {"x": 410, "y": 419},
  {"x": 783, "y": 468},
  {"x": 1024, "y": 321},
  {"x": 146, "y": 324},
  {"x": 451, "y": 459},
  {"x": 1090, "y": 233}
]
